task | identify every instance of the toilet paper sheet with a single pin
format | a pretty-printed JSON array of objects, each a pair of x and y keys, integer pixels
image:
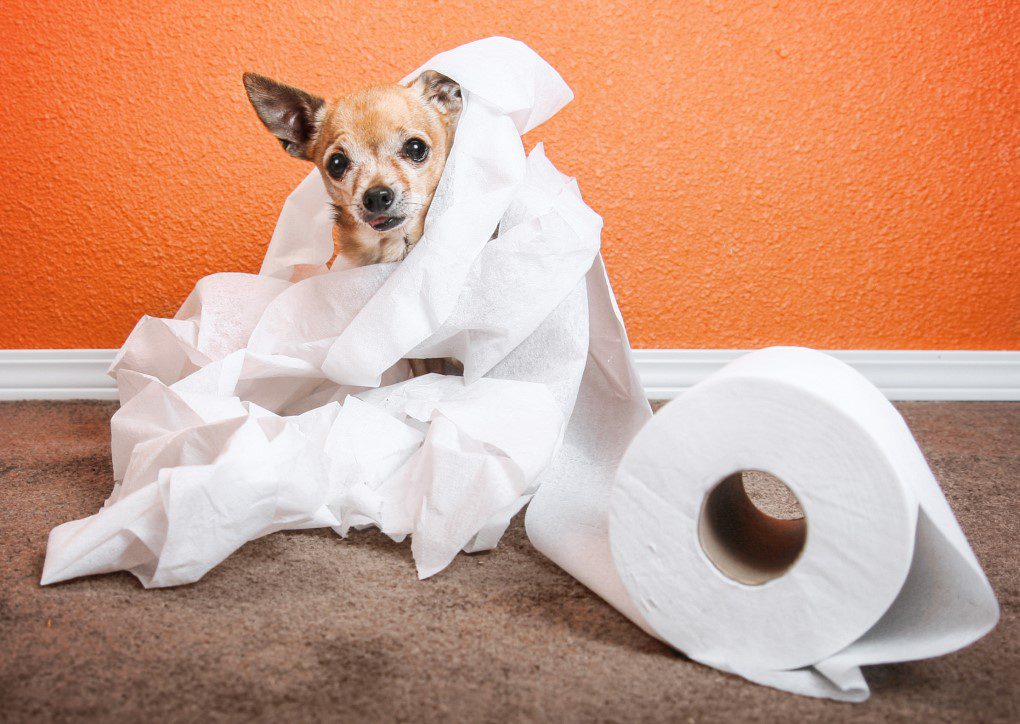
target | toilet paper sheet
[{"x": 266, "y": 404}]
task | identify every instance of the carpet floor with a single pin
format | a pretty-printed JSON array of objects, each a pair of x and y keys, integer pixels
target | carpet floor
[{"x": 306, "y": 626}]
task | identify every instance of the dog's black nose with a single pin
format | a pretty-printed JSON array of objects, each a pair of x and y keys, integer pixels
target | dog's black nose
[{"x": 377, "y": 199}]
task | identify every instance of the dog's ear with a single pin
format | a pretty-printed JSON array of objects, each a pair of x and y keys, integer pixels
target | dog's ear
[
  {"x": 440, "y": 91},
  {"x": 289, "y": 113}
]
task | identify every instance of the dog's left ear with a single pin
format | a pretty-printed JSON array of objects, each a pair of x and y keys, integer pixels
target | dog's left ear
[
  {"x": 442, "y": 92},
  {"x": 290, "y": 114}
]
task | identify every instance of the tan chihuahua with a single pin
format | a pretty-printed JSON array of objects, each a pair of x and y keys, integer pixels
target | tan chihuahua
[{"x": 380, "y": 151}]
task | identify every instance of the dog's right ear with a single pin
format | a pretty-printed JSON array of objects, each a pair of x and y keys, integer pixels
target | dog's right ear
[{"x": 289, "y": 113}]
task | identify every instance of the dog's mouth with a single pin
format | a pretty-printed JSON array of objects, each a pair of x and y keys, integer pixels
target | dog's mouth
[{"x": 385, "y": 223}]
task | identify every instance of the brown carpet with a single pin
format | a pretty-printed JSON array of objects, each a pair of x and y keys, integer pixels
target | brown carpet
[{"x": 311, "y": 627}]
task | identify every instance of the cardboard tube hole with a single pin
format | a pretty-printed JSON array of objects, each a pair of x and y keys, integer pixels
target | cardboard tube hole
[{"x": 744, "y": 542}]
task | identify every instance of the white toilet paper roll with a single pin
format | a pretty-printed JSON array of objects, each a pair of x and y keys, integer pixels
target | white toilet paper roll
[{"x": 718, "y": 579}]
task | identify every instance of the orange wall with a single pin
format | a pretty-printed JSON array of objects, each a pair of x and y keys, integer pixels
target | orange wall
[{"x": 839, "y": 175}]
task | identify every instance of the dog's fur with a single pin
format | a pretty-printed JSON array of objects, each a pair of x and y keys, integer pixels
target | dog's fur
[{"x": 370, "y": 131}]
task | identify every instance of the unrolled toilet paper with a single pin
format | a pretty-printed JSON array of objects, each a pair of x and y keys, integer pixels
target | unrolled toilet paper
[{"x": 267, "y": 404}]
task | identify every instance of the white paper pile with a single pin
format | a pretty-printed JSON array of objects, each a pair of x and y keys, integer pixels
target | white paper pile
[{"x": 266, "y": 405}]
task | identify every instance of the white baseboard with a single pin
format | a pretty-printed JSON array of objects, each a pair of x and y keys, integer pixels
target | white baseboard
[
  {"x": 56, "y": 374},
  {"x": 900, "y": 374},
  {"x": 64, "y": 374}
]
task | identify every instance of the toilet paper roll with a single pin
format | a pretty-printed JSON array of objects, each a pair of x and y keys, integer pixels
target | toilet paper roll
[{"x": 877, "y": 570}]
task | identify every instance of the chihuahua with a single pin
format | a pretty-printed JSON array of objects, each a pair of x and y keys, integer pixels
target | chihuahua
[{"x": 380, "y": 151}]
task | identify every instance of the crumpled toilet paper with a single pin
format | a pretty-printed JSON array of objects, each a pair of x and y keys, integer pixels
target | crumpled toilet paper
[{"x": 266, "y": 405}]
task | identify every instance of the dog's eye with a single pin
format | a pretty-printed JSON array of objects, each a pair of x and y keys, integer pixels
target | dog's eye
[
  {"x": 416, "y": 150},
  {"x": 337, "y": 164}
]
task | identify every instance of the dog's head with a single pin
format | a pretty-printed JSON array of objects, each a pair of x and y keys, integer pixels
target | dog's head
[{"x": 380, "y": 151}]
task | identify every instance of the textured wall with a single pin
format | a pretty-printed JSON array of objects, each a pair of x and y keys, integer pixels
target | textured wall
[{"x": 831, "y": 174}]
